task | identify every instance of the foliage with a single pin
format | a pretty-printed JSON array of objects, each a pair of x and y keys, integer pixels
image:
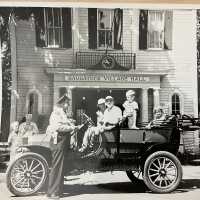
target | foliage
[{"x": 6, "y": 15}]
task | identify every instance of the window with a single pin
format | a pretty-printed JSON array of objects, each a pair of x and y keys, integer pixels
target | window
[
  {"x": 155, "y": 29},
  {"x": 105, "y": 28},
  {"x": 175, "y": 104},
  {"x": 155, "y": 36},
  {"x": 105, "y": 33},
  {"x": 33, "y": 105},
  {"x": 53, "y": 27}
]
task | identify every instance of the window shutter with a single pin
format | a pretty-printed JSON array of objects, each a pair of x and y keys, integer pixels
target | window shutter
[
  {"x": 143, "y": 21},
  {"x": 92, "y": 27},
  {"x": 168, "y": 29},
  {"x": 39, "y": 27},
  {"x": 118, "y": 28},
  {"x": 67, "y": 28}
]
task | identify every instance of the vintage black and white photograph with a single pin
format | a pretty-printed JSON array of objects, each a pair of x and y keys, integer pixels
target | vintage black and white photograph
[{"x": 99, "y": 102}]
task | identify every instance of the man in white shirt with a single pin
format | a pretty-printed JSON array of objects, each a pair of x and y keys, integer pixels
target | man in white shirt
[{"x": 112, "y": 114}]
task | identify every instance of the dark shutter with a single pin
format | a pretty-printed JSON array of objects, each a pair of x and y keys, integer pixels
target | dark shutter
[
  {"x": 168, "y": 29},
  {"x": 39, "y": 27},
  {"x": 143, "y": 21},
  {"x": 67, "y": 28},
  {"x": 92, "y": 27},
  {"x": 118, "y": 28}
]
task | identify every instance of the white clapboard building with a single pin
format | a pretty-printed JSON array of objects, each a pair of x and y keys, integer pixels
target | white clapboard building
[{"x": 95, "y": 52}]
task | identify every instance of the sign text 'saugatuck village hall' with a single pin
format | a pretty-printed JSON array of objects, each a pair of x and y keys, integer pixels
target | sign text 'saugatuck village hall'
[{"x": 106, "y": 78}]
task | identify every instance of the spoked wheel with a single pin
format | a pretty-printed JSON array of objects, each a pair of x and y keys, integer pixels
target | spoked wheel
[
  {"x": 135, "y": 176},
  {"x": 162, "y": 172},
  {"x": 27, "y": 174}
]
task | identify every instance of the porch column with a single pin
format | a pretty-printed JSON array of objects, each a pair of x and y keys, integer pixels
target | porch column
[
  {"x": 144, "y": 106},
  {"x": 69, "y": 93},
  {"x": 56, "y": 95},
  {"x": 156, "y": 97}
]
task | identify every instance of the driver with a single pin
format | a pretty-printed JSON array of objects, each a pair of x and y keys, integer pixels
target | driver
[{"x": 90, "y": 133}]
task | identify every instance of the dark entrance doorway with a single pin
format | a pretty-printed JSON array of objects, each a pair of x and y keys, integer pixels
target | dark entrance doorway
[{"x": 85, "y": 100}]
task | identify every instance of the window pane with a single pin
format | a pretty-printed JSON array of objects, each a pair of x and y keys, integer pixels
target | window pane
[
  {"x": 104, "y": 19},
  {"x": 50, "y": 37},
  {"x": 109, "y": 38},
  {"x": 57, "y": 37},
  {"x": 49, "y": 17},
  {"x": 57, "y": 16},
  {"x": 102, "y": 37}
]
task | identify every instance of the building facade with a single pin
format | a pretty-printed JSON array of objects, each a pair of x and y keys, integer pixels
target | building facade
[{"x": 95, "y": 52}]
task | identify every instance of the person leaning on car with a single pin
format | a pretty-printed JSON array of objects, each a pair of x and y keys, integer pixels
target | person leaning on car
[{"x": 60, "y": 127}]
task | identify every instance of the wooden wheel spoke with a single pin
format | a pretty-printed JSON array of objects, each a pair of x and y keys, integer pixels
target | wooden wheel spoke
[
  {"x": 152, "y": 175},
  {"x": 35, "y": 167}
]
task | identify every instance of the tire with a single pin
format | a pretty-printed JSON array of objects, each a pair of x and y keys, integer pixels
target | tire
[
  {"x": 27, "y": 174},
  {"x": 162, "y": 172},
  {"x": 135, "y": 176}
]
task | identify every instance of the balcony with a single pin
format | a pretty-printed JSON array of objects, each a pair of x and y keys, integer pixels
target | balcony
[{"x": 101, "y": 60}]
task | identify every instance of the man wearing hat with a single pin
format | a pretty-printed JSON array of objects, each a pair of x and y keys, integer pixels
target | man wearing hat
[
  {"x": 89, "y": 135},
  {"x": 112, "y": 114},
  {"x": 60, "y": 127}
]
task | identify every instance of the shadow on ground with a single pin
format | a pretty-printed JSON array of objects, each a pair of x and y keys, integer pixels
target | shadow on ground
[{"x": 124, "y": 187}]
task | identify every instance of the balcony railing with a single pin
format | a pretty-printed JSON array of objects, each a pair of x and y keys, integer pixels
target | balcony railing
[{"x": 92, "y": 60}]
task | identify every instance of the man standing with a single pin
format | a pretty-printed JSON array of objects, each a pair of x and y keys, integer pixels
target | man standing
[{"x": 60, "y": 127}]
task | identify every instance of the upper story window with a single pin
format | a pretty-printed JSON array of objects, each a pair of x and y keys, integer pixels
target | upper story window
[
  {"x": 105, "y": 32},
  {"x": 105, "y": 28},
  {"x": 155, "y": 29},
  {"x": 53, "y": 27},
  {"x": 155, "y": 35}
]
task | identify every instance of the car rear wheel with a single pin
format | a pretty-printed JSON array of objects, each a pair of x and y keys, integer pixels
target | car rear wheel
[
  {"x": 162, "y": 172},
  {"x": 27, "y": 174}
]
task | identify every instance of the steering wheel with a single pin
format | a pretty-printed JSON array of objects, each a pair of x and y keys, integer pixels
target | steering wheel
[{"x": 88, "y": 119}]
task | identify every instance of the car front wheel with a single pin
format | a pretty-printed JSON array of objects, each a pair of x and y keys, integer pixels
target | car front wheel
[
  {"x": 162, "y": 172},
  {"x": 27, "y": 174}
]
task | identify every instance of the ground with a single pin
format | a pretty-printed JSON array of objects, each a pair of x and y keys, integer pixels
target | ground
[{"x": 116, "y": 185}]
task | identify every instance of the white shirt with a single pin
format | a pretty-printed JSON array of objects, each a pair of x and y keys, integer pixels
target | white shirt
[
  {"x": 130, "y": 107},
  {"x": 112, "y": 115}
]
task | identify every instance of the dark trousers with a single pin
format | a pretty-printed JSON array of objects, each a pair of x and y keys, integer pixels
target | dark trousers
[{"x": 56, "y": 175}]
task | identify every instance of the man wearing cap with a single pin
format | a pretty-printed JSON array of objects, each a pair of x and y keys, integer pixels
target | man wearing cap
[
  {"x": 90, "y": 133},
  {"x": 60, "y": 127},
  {"x": 112, "y": 114}
]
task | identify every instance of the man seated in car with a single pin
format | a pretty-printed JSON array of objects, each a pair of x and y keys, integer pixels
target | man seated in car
[{"x": 112, "y": 114}]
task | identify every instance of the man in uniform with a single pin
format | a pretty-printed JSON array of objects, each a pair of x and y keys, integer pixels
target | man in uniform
[{"x": 60, "y": 127}]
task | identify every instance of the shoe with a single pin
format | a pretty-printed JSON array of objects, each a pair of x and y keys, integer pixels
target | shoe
[
  {"x": 53, "y": 196},
  {"x": 81, "y": 150},
  {"x": 134, "y": 127}
]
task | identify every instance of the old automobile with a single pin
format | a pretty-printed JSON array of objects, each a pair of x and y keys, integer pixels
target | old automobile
[{"x": 148, "y": 154}]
